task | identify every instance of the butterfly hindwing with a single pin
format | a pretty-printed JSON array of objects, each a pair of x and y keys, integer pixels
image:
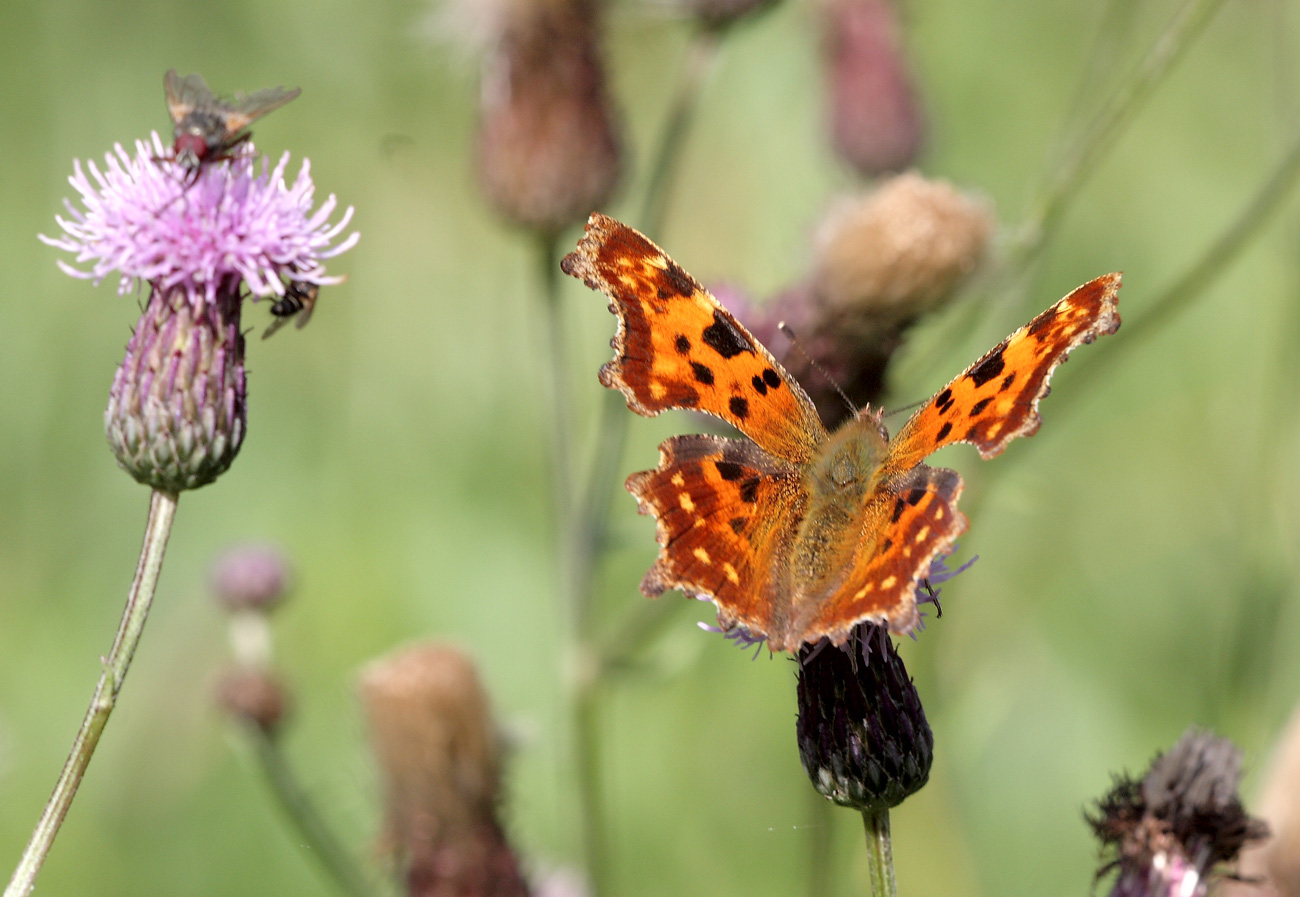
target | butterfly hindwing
[
  {"x": 909, "y": 522},
  {"x": 725, "y": 512},
  {"x": 677, "y": 347}
]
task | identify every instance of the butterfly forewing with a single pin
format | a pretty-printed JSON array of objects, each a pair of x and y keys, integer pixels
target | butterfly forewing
[
  {"x": 677, "y": 347},
  {"x": 996, "y": 399}
]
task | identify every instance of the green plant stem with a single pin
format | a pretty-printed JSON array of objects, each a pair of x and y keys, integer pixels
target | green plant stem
[
  {"x": 302, "y": 815},
  {"x": 1203, "y": 273},
  {"x": 162, "y": 510},
  {"x": 1082, "y": 158},
  {"x": 614, "y": 415},
  {"x": 880, "y": 854}
]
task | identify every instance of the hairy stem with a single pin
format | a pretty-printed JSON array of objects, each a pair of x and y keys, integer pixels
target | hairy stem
[
  {"x": 162, "y": 510},
  {"x": 303, "y": 816},
  {"x": 880, "y": 854}
]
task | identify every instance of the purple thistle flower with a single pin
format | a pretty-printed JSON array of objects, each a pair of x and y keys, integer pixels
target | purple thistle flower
[
  {"x": 176, "y": 414},
  {"x": 154, "y": 222}
]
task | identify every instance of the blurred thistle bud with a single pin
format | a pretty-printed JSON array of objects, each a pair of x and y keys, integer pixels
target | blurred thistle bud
[
  {"x": 250, "y": 577},
  {"x": 433, "y": 737},
  {"x": 255, "y": 697},
  {"x": 881, "y": 260},
  {"x": 897, "y": 251},
  {"x": 863, "y": 736},
  {"x": 1168, "y": 832},
  {"x": 718, "y": 14},
  {"x": 549, "y": 150},
  {"x": 198, "y": 237},
  {"x": 875, "y": 119},
  {"x": 176, "y": 410}
]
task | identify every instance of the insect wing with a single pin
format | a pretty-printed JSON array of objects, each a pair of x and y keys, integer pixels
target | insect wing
[
  {"x": 184, "y": 95},
  {"x": 240, "y": 113}
]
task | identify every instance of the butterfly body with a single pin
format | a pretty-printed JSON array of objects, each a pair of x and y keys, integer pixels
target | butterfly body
[{"x": 797, "y": 534}]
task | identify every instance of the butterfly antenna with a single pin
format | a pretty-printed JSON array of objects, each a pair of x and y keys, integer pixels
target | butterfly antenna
[
  {"x": 905, "y": 408},
  {"x": 794, "y": 341}
]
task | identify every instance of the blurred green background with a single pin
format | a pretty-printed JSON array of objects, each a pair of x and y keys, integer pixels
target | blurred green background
[{"x": 1138, "y": 557}]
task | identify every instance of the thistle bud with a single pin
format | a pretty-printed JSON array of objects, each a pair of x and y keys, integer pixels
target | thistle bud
[
  {"x": 176, "y": 415},
  {"x": 863, "y": 736},
  {"x": 548, "y": 145},
  {"x": 875, "y": 119},
  {"x": 254, "y": 696},
  {"x": 432, "y": 734},
  {"x": 250, "y": 577},
  {"x": 1168, "y": 832}
]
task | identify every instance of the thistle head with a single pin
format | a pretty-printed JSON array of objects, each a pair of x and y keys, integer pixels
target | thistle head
[{"x": 201, "y": 241}]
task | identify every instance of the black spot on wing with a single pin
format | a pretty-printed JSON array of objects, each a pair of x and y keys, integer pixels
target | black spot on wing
[
  {"x": 737, "y": 524},
  {"x": 759, "y": 386},
  {"x": 1006, "y": 384},
  {"x": 980, "y": 406},
  {"x": 724, "y": 338},
  {"x": 739, "y": 407},
  {"x": 943, "y": 401},
  {"x": 749, "y": 490},
  {"x": 989, "y": 368},
  {"x": 886, "y": 545},
  {"x": 683, "y": 345},
  {"x": 944, "y": 431},
  {"x": 702, "y": 373},
  {"x": 771, "y": 378},
  {"x": 680, "y": 282},
  {"x": 729, "y": 470},
  {"x": 898, "y": 510},
  {"x": 914, "y": 497}
]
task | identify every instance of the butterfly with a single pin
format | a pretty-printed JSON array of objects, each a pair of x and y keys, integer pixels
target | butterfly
[
  {"x": 208, "y": 127},
  {"x": 796, "y": 533}
]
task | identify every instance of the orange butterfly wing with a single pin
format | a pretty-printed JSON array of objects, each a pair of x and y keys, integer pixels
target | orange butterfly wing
[
  {"x": 996, "y": 399},
  {"x": 677, "y": 347},
  {"x": 908, "y": 523},
  {"x": 725, "y": 512}
]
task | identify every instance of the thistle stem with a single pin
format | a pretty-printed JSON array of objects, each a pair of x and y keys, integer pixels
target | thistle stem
[
  {"x": 1119, "y": 110},
  {"x": 880, "y": 854},
  {"x": 614, "y": 416},
  {"x": 303, "y": 816},
  {"x": 162, "y": 510}
]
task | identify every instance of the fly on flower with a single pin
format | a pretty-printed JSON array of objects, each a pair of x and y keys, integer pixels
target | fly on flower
[
  {"x": 298, "y": 301},
  {"x": 208, "y": 127}
]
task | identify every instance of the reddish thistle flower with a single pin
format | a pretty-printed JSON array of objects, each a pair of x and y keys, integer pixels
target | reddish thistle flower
[
  {"x": 875, "y": 119},
  {"x": 549, "y": 149},
  {"x": 176, "y": 412}
]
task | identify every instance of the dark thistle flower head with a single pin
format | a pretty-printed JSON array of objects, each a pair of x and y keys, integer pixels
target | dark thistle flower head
[
  {"x": 1167, "y": 833},
  {"x": 549, "y": 150},
  {"x": 176, "y": 412},
  {"x": 875, "y": 117},
  {"x": 863, "y": 736},
  {"x": 434, "y": 739}
]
